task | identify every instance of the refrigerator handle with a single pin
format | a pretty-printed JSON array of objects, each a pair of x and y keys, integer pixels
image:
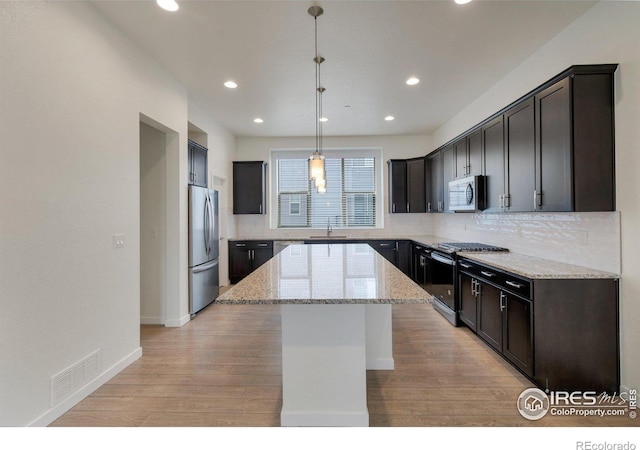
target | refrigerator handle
[
  {"x": 212, "y": 223},
  {"x": 207, "y": 234}
]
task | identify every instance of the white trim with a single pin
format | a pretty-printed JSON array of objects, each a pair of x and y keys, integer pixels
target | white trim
[
  {"x": 151, "y": 320},
  {"x": 328, "y": 419},
  {"x": 380, "y": 364},
  {"x": 64, "y": 406},
  {"x": 170, "y": 323},
  {"x": 341, "y": 152}
]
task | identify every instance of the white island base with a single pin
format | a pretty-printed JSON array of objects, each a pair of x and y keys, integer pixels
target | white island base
[{"x": 326, "y": 350}]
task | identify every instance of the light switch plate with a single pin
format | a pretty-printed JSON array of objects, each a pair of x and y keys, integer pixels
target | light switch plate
[{"x": 118, "y": 240}]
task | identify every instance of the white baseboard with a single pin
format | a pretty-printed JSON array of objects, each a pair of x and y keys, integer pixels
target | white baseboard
[
  {"x": 177, "y": 322},
  {"x": 324, "y": 419},
  {"x": 151, "y": 320},
  {"x": 64, "y": 406},
  {"x": 380, "y": 364},
  {"x": 624, "y": 388}
]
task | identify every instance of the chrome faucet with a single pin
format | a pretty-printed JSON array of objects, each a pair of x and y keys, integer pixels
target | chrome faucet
[{"x": 329, "y": 229}]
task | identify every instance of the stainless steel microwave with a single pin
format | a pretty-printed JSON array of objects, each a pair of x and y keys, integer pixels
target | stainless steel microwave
[{"x": 468, "y": 194}]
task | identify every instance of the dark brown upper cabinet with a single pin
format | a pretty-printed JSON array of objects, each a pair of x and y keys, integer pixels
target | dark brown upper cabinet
[
  {"x": 407, "y": 191},
  {"x": 468, "y": 155},
  {"x": 197, "y": 164},
  {"x": 448, "y": 174},
  {"x": 575, "y": 153},
  {"x": 249, "y": 187},
  {"x": 519, "y": 128},
  {"x": 435, "y": 191},
  {"x": 397, "y": 185},
  {"x": 493, "y": 151},
  {"x": 416, "y": 189}
]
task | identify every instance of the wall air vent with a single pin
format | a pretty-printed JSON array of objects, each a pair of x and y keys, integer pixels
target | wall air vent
[{"x": 71, "y": 379}]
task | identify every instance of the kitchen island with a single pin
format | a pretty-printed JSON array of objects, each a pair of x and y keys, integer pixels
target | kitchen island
[{"x": 335, "y": 309}]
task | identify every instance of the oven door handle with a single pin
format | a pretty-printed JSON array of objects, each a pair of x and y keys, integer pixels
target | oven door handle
[{"x": 442, "y": 259}]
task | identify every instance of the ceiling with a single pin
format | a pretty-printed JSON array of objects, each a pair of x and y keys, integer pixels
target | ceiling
[{"x": 371, "y": 48}]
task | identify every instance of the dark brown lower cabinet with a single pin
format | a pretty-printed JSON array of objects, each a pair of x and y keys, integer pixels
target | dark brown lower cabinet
[
  {"x": 247, "y": 256},
  {"x": 577, "y": 335},
  {"x": 468, "y": 313},
  {"x": 562, "y": 333}
]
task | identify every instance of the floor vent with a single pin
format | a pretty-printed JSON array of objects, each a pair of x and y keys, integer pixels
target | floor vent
[{"x": 73, "y": 378}]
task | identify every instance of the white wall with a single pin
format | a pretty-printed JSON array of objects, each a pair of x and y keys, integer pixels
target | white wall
[
  {"x": 73, "y": 91},
  {"x": 153, "y": 215},
  {"x": 608, "y": 33},
  {"x": 395, "y": 225}
]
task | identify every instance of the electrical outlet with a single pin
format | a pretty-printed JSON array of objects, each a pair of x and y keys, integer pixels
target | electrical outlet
[{"x": 118, "y": 240}]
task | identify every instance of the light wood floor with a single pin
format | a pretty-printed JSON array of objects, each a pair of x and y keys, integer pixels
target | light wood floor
[{"x": 224, "y": 369}]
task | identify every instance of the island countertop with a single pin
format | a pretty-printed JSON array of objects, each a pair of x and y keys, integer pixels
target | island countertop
[{"x": 326, "y": 274}]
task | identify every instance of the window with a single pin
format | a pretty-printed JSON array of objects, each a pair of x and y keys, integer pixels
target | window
[{"x": 349, "y": 201}]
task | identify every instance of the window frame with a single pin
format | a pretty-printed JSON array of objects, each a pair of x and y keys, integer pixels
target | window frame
[{"x": 369, "y": 152}]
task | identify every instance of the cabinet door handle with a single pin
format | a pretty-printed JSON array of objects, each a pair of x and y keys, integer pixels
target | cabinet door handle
[
  {"x": 408, "y": 207},
  {"x": 487, "y": 274},
  {"x": 473, "y": 287},
  {"x": 515, "y": 285},
  {"x": 503, "y": 301},
  {"x": 253, "y": 254},
  {"x": 260, "y": 208},
  {"x": 428, "y": 206},
  {"x": 393, "y": 207}
]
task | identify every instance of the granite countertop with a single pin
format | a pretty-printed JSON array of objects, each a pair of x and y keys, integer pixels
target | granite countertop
[
  {"x": 326, "y": 274},
  {"x": 533, "y": 267},
  {"x": 423, "y": 239},
  {"x": 519, "y": 264}
]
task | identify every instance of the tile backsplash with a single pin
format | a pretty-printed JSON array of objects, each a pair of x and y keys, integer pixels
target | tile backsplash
[{"x": 585, "y": 239}]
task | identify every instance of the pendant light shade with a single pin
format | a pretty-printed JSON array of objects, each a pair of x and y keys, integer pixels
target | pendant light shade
[
  {"x": 316, "y": 165},
  {"x": 316, "y": 161}
]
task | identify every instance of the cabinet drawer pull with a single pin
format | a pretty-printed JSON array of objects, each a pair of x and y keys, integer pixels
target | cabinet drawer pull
[
  {"x": 515, "y": 285},
  {"x": 386, "y": 245},
  {"x": 466, "y": 266},
  {"x": 487, "y": 274},
  {"x": 241, "y": 245},
  {"x": 262, "y": 245}
]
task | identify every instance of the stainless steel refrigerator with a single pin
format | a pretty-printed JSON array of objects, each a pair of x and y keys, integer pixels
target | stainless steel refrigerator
[{"x": 203, "y": 247}]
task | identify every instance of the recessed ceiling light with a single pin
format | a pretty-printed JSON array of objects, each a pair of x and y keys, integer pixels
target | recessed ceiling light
[
  {"x": 169, "y": 5},
  {"x": 230, "y": 84},
  {"x": 323, "y": 119},
  {"x": 389, "y": 118},
  {"x": 258, "y": 120},
  {"x": 413, "y": 81},
  {"x": 462, "y": 2}
]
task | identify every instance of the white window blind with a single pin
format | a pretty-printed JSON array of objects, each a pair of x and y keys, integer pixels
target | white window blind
[{"x": 349, "y": 201}]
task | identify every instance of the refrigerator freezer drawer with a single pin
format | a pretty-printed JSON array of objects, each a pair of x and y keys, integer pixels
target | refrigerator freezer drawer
[{"x": 203, "y": 285}]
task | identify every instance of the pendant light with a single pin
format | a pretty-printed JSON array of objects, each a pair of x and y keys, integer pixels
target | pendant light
[{"x": 316, "y": 161}]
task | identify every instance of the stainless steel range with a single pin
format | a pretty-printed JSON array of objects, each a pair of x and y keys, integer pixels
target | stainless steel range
[{"x": 436, "y": 268}]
